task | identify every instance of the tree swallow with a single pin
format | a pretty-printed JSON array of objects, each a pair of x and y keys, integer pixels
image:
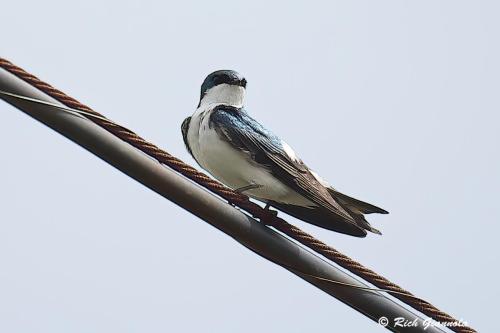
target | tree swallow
[{"x": 238, "y": 151}]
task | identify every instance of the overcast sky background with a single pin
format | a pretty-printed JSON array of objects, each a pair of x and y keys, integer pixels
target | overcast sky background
[{"x": 394, "y": 102}]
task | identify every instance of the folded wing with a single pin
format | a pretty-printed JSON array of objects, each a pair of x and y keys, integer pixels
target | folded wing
[{"x": 266, "y": 149}]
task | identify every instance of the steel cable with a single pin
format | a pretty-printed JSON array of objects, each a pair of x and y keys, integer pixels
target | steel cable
[{"x": 240, "y": 200}]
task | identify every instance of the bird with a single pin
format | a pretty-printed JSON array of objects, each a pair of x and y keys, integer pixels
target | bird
[{"x": 245, "y": 156}]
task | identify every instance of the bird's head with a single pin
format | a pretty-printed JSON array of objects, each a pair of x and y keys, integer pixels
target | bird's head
[{"x": 223, "y": 87}]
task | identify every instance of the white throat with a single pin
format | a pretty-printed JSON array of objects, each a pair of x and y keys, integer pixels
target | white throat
[{"x": 224, "y": 94}]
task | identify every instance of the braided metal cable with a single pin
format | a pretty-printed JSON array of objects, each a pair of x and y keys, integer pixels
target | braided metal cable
[{"x": 241, "y": 200}]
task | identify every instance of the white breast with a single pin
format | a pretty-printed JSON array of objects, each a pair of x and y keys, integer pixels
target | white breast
[{"x": 232, "y": 167}]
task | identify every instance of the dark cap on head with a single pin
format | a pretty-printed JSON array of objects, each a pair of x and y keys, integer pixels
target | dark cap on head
[{"x": 222, "y": 76}]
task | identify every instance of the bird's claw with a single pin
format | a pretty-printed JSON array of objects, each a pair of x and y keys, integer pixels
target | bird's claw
[
  {"x": 271, "y": 213},
  {"x": 252, "y": 186}
]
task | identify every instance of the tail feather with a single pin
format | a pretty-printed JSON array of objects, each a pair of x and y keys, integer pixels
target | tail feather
[
  {"x": 355, "y": 204},
  {"x": 322, "y": 218},
  {"x": 360, "y": 219},
  {"x": 357, "y": 208}
]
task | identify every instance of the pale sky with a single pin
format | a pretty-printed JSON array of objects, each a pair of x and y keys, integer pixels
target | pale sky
[{"x": 394, "y": 102}]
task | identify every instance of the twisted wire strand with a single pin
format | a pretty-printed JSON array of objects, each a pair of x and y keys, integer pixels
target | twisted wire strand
[{"x": 241, "y": 200}]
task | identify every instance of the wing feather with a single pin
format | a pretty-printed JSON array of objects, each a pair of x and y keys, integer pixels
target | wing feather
[
  {"x": 266, "y": 149},
  {"x": 184, "y": 130}
]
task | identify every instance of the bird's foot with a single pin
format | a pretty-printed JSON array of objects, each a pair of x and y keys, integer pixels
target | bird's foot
[
  {"x": 272, "y": 214},
  {"x": 248, "y": 187}
]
